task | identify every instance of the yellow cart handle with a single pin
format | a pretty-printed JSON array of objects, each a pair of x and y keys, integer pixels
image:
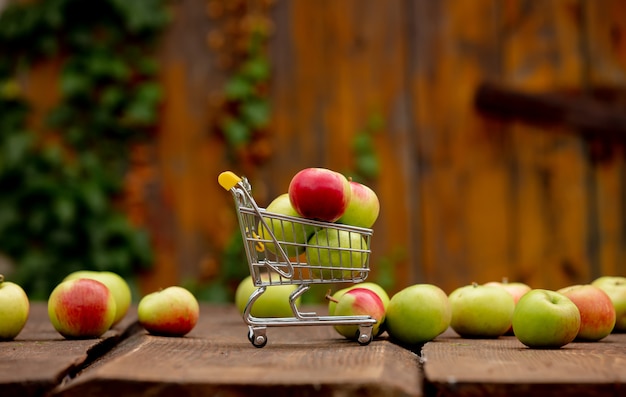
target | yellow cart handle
[{"x": 228, "y": 180}]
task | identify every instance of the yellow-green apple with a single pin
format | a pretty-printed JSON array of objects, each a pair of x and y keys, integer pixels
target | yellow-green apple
[
  {"x": 172, "y": 311},
  {"x": 334, "y": 248},
  {"x": 319, "y": 193},
  {"x": 14, "y": 309},
  {"x": 274, "y": 302},
  {"x": 597, "y": 314},
  {"x": 615, "y": 287},
  {"x": 516, "y": 289},
  {"x": 417, "y": 314},
  {"x": 363, "y": 208},
  {"x": 359, "y": 302},
  {"x": 545, "y": 319},
  {"x": 116, "y": 284},
  {"x": 81, "y": 308},
  {"x": 294, "y": 234},
  {"x": 480, "y": 311}
]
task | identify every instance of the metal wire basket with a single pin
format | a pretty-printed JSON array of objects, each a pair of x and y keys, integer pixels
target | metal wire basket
[{"x": 288, "y": 250}]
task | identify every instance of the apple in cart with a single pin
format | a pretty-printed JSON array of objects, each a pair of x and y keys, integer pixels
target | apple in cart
[
  {"x": 545, "y": 319},
  {"x": 14, "y": 309},
  {"x": 480, "y": 311},
  {"x": 320, "y": 194},
  {"x": 173, "y": 311},
  {"x": 334, "y": 248},
  {"x": 274, "y": 302},
  {"x": 597, "y": 314},
  {"x": 294, "y": 234},
  {"x": 116, "y": 284},
  {"x": 363, "y": 208},
  {"x": 615, "y": 287},
  {"x": 81, "y": 309},
  {"x": 359, "y": 302},
  {"x": 516, "y": 289},
  {"x": 417, "y": 314},
  {"x": 377, "y": 289}
]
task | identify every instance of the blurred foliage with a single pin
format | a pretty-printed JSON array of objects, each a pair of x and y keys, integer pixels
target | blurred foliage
[{"x": 60, "y": 187}]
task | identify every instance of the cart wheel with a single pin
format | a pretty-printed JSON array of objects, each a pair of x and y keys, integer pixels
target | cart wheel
[
  {"x": 364, "y": 335},
  {"x": 257, "y": 339}
]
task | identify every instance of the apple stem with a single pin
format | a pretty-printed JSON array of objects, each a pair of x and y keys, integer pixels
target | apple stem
[{"x": 330, "y": 298}]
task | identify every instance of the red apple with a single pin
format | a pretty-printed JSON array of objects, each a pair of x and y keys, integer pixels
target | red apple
[
  {"x": 320, "y": 194},
  {"x": 615, "y": 287},
  {"x": 81, "y": 308},
  {"x": 173, "y": 311},
  {"x": 358, "y": 302},
  {"x": 363, "y": 208},
  {"x": 597, "y": 313},
  {"x": 516, "y": 289}
]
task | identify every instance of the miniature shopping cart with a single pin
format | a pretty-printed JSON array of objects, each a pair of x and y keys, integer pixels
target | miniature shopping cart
[{"x": 276, "y": 256}]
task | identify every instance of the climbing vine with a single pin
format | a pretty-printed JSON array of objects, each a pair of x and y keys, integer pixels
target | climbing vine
[{"x": 62, "y": 183}]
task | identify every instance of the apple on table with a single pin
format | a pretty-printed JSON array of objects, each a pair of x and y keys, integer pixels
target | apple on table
[
  {"x": 597, "y": 313},
  {"x": 417, "y": 314},
  {"x": 81, "y": 308},
  {"x": 359, "y": 302},
  {"x": 545, "y": 319},
  {"x": 14, "y": 309},
  {"x": 172, "y": 311},
  {"x": 274, "y": 302},
  {"x": 516, "y": 289},
  {"x": 615, "y": 287},
  {"x": 116, "y": 284},
  {"x": 481, "y": 311}
]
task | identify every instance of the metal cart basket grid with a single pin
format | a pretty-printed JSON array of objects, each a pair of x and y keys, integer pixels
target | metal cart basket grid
[{"x": 288, "y": 250}]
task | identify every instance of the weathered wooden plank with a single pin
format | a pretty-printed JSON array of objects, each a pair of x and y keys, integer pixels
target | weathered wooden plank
[
  {"x": 454, "y": 366},
  {"x": 217, "y": 358},
  {"x": 40, "y": 358}
]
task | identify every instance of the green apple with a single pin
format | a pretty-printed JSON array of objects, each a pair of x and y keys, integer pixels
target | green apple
[
  {"x": 118, "y": 286},
  {"x": 14, "y": 309},
  {"x": 274, "y": 302},
  {"x": 417, "y": 314},
  {"x": 334, "y": 248},
  {"x": 82, "y": 308},
  {"x": 295, "y": 235},
  {"x": 173, "y": 311},
  {"x": 516, "y": 289},
  {"x": 363, "y": 208},
  {"x": 615, "y": 287},
  {"x": 480, "y": 311},
  {"x": 545, "y": 319},
  {"x": 597, "y": 314},
  {"x": 359, "y": 302}
]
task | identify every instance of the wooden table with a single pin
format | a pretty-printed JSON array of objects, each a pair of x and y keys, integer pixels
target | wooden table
[{"x": 217, "y": 359}]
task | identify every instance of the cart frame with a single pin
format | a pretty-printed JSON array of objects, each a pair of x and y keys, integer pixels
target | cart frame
[{"x": 280, "y": 261}]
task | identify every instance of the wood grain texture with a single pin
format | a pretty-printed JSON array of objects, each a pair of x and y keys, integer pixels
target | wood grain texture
[
  {"x": 39, "y": 358},
  {"x": 216, "y": 358},
  {"x": 454, "y": 366}
]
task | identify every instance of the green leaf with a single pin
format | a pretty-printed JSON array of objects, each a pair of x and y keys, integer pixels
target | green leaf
[
  {"x": 257, "y": 113},
  {"x": 238, "y": 88},
  {"x": 236, "y": 132}
]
